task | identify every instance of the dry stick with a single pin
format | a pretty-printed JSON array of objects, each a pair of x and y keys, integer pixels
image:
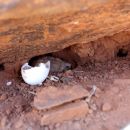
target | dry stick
[
  {"x": 31, "y": 92},
  {"x": 92, "y": 92}
]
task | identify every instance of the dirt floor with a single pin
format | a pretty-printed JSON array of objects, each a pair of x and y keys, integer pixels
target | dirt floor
[{"x": 109, "y": 108}]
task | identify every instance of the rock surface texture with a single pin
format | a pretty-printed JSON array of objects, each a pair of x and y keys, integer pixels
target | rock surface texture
[
  {"x": 51, "y": 96},
  {"x": 32, "y": 29}
]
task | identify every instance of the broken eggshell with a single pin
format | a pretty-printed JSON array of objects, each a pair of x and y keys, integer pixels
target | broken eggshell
[
  {"x": 127, "y": 127},
  {"x": 35, "y": 75}
]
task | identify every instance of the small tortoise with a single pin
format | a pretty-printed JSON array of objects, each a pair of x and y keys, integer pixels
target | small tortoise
[{"x": 56, "y": 65}]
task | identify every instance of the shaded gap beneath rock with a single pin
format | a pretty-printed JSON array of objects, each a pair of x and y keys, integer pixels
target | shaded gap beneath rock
[
  {"x": 122, "y": 52},
  {"x": 2, "y": 67},
  {"x": 65, "y": 55}
]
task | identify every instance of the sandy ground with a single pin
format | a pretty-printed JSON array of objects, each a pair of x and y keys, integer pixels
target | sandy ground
[{"x": 109, "y": 107}]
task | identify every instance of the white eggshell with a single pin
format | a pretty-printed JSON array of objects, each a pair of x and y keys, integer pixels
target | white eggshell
[
  {"x": 127, "y": 127},
  {"x": 35, "y": 75}
]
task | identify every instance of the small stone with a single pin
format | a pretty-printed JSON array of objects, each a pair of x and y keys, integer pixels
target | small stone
[
  {"x": 9, "y": 83},
  {"x": 3, "y": 97},
  {"x": 106, "y": 107},
  {"x": 90, "y": 111}
]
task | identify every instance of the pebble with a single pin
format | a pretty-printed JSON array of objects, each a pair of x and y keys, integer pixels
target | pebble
[
  {"x": 90, "y": 111},
  {"x": 106, "y": 107},
  {"x": 3, "y": 97},
  {"x": 9, "y": 83}
]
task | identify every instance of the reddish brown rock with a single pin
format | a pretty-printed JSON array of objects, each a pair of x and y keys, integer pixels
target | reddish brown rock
[
  {"x": 3, "y": 97},
  {"x": 48, "y": 28},
  {"x": 49, "y": 97},
  {"x": 103, "y": 49},
  {"x": 66, "y": 112}
]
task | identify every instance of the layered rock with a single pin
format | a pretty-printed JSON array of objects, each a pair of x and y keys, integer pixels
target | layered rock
[{"x": 23, "y": 37}]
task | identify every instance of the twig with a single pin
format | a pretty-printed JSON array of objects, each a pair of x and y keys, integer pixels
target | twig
[
  {"x": 92, "y": 92},
  {"x": 31, "y": 92}
]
